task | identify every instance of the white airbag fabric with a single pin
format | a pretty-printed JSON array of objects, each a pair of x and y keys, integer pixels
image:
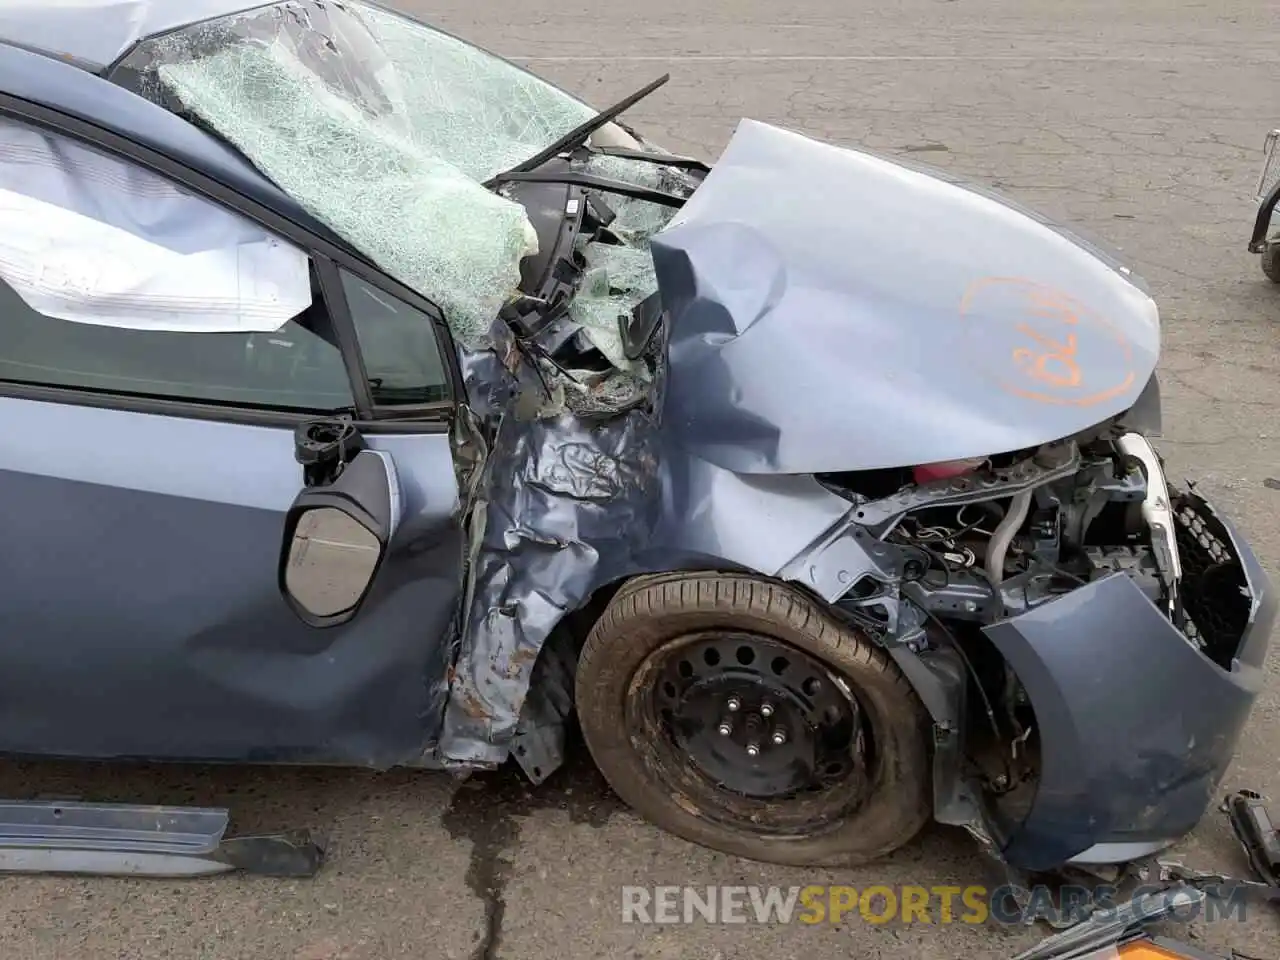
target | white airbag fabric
[{"x": 89, "y": 238}]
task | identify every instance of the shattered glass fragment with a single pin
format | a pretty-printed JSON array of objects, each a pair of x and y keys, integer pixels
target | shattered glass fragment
[
  {"x": 384, "y": 131},
  {"x": 638, "y": 220},
  {"x": 617, "y": 278},
  {"x": 481, "y": 113}
]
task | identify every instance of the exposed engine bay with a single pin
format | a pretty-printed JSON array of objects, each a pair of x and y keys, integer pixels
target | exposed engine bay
[{"x": 973, "y": 542}]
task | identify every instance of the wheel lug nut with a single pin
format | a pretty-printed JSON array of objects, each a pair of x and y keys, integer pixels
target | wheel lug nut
[
  {"x": 725, "y": 728},
  {"x": 779, "y": 737},
  {"x": 766, "y": 710},
  {"x": 733, "y": 704},
  {"x": 752, "y": 750}
]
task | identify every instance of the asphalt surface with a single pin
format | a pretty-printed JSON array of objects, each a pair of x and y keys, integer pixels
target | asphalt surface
[{"x": 1139, "y": 121}]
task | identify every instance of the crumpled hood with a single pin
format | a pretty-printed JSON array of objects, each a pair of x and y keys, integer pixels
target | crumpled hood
[{"x": 831, "y": 310}]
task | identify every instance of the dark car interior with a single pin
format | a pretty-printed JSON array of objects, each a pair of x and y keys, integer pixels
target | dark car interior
[{"x": 289, "y": 368}]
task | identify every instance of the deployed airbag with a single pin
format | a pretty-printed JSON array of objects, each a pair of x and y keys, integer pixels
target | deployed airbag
[{"x": 89, "y": 238}]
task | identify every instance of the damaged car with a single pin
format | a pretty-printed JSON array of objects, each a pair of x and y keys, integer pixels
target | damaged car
[{"x": 370, "y": 401}]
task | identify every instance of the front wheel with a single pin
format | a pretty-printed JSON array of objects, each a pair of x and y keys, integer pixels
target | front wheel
[{"x": 739, "y": 715}]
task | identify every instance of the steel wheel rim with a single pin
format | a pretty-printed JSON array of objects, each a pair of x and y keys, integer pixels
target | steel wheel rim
[{"x": 813, "y": 775}]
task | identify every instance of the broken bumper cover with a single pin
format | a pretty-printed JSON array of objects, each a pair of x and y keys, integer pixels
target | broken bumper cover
[{"x": 1137, "y": 723}]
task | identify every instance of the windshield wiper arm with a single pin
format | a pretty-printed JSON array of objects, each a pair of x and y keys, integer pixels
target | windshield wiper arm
[
  {"x": 657, "y": 159},
  {"x": 576, "y": 178},
  {"x": 581, "y": 133}
]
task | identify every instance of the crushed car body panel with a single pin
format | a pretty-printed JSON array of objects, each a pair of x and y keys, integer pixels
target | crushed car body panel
[
  {"x": 831, "y": 310},
  {"x": 571, "y": 504}
]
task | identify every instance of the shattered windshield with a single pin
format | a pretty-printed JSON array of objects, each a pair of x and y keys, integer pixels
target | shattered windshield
[
  {"x": 381, "y": 127},
  {"x": 385, "y": 130}
]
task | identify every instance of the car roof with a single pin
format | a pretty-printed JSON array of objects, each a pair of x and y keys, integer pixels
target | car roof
[{"x": 93, "y": 34}]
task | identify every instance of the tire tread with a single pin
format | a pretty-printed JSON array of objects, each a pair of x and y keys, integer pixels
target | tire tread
[{"x": 652, "y": 610}]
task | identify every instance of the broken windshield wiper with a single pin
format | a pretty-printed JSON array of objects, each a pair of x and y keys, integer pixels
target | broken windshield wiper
[
  {"x": 579, "y": 134},
  {"x": 591, "y": 182},
  {"x": 658, "y": 159}
]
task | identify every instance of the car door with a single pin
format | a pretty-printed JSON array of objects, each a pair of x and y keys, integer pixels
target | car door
[{"x": 157, "y": 353}]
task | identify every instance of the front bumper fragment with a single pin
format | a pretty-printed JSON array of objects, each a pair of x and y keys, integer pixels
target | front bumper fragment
[{"x": 1138, "y": 720}]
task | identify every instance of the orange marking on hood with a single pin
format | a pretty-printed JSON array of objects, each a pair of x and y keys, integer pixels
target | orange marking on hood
[
  {"x": 1048, "y": 365},
  {"x": 1040, "y": 365}
]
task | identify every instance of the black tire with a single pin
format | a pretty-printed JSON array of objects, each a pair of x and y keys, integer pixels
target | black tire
[
  {"x": 1271, "y": 261},
  {"x": 652, "y": 613}
]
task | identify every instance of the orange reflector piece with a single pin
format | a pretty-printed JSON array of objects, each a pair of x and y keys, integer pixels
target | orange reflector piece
[{"x": 1146, "y": 950}]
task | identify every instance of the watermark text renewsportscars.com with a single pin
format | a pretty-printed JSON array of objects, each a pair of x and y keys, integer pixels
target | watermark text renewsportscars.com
[{"x": 901, "y": 903}]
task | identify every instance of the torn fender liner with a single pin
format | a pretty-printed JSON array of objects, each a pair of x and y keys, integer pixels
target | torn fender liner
[{"x": 832, "y": 310}]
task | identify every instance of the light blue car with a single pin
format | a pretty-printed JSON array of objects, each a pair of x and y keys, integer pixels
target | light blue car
[{"x": 367, "y": 400}]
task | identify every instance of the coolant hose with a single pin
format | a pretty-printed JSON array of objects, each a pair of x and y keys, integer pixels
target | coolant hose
[{"x": 1019, "y": 507}]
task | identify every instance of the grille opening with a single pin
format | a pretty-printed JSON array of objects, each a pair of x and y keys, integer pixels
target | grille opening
[{"x": 1215, "y": 593}]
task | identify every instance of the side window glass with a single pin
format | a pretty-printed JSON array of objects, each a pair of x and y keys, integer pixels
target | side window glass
[
  {"x": 116, "y": 280},
  {"x": 401, "y": 353}
]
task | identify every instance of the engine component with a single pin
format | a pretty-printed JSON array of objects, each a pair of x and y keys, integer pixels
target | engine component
[
  {"x": 1000, "y": 540},
  {"x": 1137, "y": 562},
  {"x": 1051, "y": 462}
]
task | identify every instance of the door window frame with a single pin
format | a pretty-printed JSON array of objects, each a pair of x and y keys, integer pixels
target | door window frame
[{"x": 328, "y": 260}]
